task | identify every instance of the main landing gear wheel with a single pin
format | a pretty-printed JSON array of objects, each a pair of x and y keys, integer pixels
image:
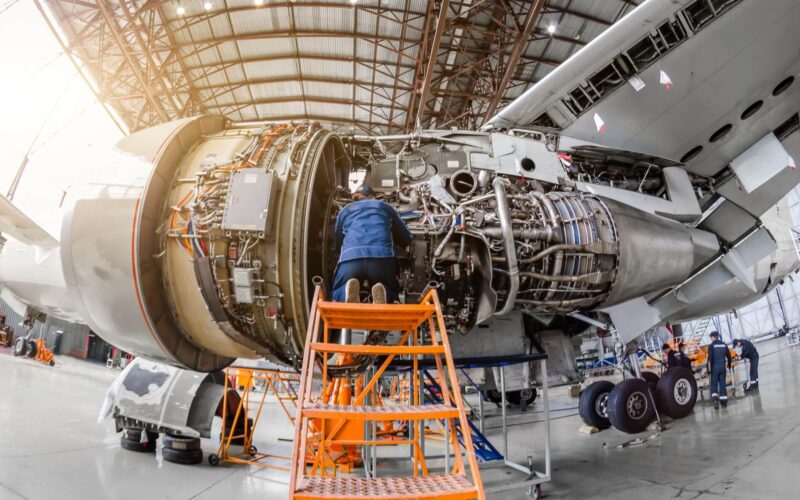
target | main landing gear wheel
[
  {"x": 20, "y": 346},
  {"x": 676, "y": 393},
  {"x": 31, "y": 349},
  {"x": 652, "y": 379},
  {"x": 593, "y": 404},
  {"x": 630, "y": 406},
  {"x": 188, "y": 457},
  {"x": 494, "y": 396},
  {"x": 516, "y": 397}
]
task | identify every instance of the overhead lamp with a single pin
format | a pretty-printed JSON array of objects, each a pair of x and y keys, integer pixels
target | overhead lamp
[
  {"x": 180, "y": 10},
  {"x": 258, "y": 3},
  {"x": 551, "y": 28},
  {"x": 353, "y": 2},
  {"x": 208, "y": 5}
]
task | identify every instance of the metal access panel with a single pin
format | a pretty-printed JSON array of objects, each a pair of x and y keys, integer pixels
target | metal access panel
[{"x": 249, "y": 202}]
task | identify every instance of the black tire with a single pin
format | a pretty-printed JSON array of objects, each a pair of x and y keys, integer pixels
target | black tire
[
  {"x": 676, "y": 393},
  {"x": 20, "y": 346},
  {"x": 131, "y": 440},
  {"x": 31, "y": 349},
  {"x": 494, "y": 396},
  {"x": 213, "y": 459},
  {"x": 652, "y": 379},
  {"x": 239, "y": 431},
  {"x": 593, "y": 404},
  {"x": 180, "y": 443},
  {"x": 515, "y": 397},
  {"x": 190, "y": 457},
  {"x": 630, "y": 406}
]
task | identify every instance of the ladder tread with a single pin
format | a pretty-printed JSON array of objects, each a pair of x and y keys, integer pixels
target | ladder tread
[
  {"x": 378, "y": 413},
  {"x": 451, "y": 486}
]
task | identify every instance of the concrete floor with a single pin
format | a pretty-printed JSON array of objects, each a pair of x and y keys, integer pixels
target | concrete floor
[{"x": 51, "y": 446}]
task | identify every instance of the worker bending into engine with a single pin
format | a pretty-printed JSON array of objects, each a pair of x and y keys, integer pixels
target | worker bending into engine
[
  {"x": 719, "y": 361},
  {"x": 367, "y": 231},
  {"x": 750, "y": 353}
]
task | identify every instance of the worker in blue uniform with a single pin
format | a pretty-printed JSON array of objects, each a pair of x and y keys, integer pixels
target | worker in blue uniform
[
  {"x": 366, "y": 234},
  {"x": 750, "y": 353},
  {"x": 719, "y": 361}
]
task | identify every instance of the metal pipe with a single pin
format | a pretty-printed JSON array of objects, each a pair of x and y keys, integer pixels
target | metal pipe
[{"x": 508, "y": 244}]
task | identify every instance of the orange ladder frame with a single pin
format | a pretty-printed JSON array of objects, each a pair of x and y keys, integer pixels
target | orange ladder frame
[
  {"x": 319, "y": 483},
  {"x": 275, "y": 381}
]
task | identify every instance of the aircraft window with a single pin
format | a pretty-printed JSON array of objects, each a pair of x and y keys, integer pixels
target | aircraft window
[
  {"x": 692, "y": 153},
  {"x": 781, "y": 87},
  {"x": 752, "y": 109},
  {"x": 722, "y": 132}
]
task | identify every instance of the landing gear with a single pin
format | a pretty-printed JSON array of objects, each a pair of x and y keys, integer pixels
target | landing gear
[
  {"x": 676, "y": 392},
  {"x": 593, "y": 404},
  {"x": 630, "y": 406}
]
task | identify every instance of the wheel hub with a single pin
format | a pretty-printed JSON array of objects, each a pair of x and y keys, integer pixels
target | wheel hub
[
  {"x": 636, "y": 405},
  {"x": 682, "y": 392},
  {"x": 601, "y": 405}
]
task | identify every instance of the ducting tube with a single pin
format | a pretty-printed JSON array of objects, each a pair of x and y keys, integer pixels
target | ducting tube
[{"x": 508, "y": 245}]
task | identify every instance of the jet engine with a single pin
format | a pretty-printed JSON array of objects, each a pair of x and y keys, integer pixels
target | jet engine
[{"x": 204, "y": 244}]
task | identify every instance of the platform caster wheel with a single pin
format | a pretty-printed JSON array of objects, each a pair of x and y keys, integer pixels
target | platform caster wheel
[
  {"x": 253, "y": 450},
  {"x": 52, "y": 363},
  {"x": 535, "y": 492},
  {"x": 213, "y": 459}
]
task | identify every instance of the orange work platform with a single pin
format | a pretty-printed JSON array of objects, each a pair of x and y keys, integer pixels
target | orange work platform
[
  {"x": 237, "y": 431},
  {"x": 326, "y": 425}
]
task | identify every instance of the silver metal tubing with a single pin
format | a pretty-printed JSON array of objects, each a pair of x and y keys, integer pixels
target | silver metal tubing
[{"x": 508, "y": 244}]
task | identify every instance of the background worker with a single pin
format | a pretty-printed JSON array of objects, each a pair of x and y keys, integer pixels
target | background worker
[
  {"x": 719, "y": 361},
  {"x": 750, "y": 353},
  {"x": 366, "y": 232},
  {"x": 675, "y": 358},
  {"x": 684, "y": 358}
]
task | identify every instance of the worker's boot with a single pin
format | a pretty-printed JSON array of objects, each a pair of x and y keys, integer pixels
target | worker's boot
[
  {"x": 724, "y": 403},
  {"x": 752, "y": 387},
  {"x": 716, "y": 402},
  {"x": 378, "y": 294},
  {"x": 351, "y": 291}
]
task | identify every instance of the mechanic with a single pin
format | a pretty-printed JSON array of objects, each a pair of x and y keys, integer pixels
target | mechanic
[
  {"x": 719, "y": 359},
  {"x": 750, "y": 353},
  {"x": 366, "y": 232},
  {"x": 675, "y": 358}
]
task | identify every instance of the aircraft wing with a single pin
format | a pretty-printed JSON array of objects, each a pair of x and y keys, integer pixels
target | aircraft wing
[
  {"x": 694, "y": 81},
  {"x": 19, "y": 226}
]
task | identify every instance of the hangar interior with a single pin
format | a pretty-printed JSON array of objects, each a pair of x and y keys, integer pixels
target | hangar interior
[{"x": 568, "y": 219}]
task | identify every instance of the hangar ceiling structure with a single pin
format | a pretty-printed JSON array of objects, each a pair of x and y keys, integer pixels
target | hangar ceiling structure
[{"x": 371, "y": 66}]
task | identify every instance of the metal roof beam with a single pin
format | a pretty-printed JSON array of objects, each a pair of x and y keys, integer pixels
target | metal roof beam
[
  {"x": 441, "y": 23},
  {"x": 511, "y": 65}
]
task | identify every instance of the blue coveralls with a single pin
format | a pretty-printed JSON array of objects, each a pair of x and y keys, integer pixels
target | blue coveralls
[
  {"x": 367, "y": 232},
  {"x": 719, "y": 359},
  {"x": 750, "y": 352}
]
